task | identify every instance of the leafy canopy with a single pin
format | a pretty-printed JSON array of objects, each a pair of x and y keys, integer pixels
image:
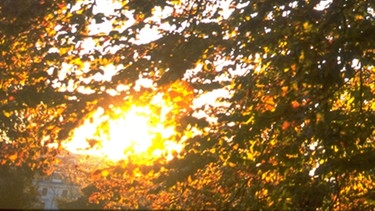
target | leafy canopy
[{"x": 296, "y": 129}]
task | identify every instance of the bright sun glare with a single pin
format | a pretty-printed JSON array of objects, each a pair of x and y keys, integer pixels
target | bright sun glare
[
  {"x": 138, "y": 130},
  {"x": 142, "y": 131}
]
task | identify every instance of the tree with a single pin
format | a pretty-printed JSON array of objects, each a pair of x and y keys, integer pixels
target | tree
[
  {"x": 82, "y": 202},
  {"x": 17, "y": 190},
  {"x": 30, "y": 107},
  {"x": 298, "y": 107},
  {"x": 296, "y": 130}
]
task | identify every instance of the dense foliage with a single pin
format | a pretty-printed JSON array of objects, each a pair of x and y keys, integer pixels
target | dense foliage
[
  {"x": 296, "y": 130},
  {"x": 17, "y": 190}
]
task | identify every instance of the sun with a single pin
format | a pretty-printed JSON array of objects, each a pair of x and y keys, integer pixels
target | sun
[{"x": 137, "y": 131}]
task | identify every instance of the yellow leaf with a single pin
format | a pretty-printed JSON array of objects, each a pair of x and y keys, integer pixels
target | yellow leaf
[
  {"x": 231, "y": 164},
  {"x": 295, "y": 86},
  {"x": 221, "y": 157},
  {"x": 189, "y": 179},
  {"x": 284, "y": 88},
  {"x": 7, "y": 114},
  {"x": 350, "y": 101},
  {"x": 373, "y": 106},
  {"x": 307, "y": 26},
  {"x": 13, "y": 157},
  {"x": 105, "y": 173},
  {"x": 358, "y": 17},
  {"x": 266, "y": 49},
  {"x": 301, "y": 56},
  {"x": 250, "y": 156},
  {"x": 269, "y": 100}
]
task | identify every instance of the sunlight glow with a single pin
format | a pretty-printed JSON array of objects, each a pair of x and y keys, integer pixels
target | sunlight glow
[
  {"x": 138, "y": 130},
  {"x": 144, "y": 131}
]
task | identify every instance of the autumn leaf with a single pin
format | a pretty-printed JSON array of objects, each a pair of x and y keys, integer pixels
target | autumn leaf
[
  {"x": 285, "y": 125},
  {"x": 105, "y": 173},
  {"x": 13, "y": 157}
]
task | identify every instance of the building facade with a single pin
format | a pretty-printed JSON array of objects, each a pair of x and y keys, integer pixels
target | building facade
[{"x": 54, "y": 189}]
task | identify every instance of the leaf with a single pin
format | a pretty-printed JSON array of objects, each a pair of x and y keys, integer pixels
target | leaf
[
  {"x": 189, "y": 180},
  {"x": 104, "y": 173},
  {"x": 13, "y": 157},
  {"x": 285, "y": 125},
  {"x": 99, "y": 18},
  {"x": 7, "y": 114},
  {"x": 307, "y": 26}
]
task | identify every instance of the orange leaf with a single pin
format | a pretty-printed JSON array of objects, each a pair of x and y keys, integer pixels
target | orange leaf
[
  {"x": 285, "y": 125},
  {"x": 295, "y": 104},
  {"x": 13, "y": 157}
]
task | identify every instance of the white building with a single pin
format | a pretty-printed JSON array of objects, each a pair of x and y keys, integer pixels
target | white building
[
  {"x": 66, "y": 182},
  {"x": 54, "y": 188}
]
